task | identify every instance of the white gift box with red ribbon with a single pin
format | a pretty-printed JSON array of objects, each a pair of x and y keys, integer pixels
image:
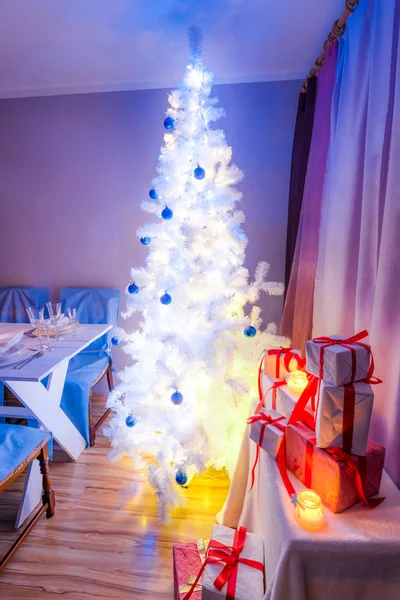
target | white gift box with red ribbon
[
  {"x": 266, "y": 434},
  {"x": 338, "y": 361},
  {"x": 343, "y": 416}
]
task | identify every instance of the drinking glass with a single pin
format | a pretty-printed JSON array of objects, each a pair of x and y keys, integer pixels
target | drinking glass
[
  {"x": 46, "y": 324},
  {"x": 36, "y": 318},
  {"x": 71, "y": 312},
  {"x": 55, "y": 315}
]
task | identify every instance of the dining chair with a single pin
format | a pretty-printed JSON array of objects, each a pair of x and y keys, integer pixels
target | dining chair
[
  {"x": 13, "y": 304},
  {"x": 19, "y": 446},
  {"x": 93, "y": 306}
]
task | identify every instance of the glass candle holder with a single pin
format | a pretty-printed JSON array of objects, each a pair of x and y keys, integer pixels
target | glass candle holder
[
  {"x": 297, "y": 382},
  {"x": 309, "y": 511}
]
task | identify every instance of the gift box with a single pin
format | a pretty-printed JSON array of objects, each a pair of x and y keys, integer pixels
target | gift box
[
  {"x": 336, "y": 363},
  {"x": 286, "y": 401},
  {"x": 274, "y": 362},
  {"x": 343, "y": 416},
  {"x": 269, "y": 389},
  {"x": 188, "y": 559},
  {"x": 267, "y": 429},
  {"x": 334, "y": 479},
  {"x": 248, "y": 581}
]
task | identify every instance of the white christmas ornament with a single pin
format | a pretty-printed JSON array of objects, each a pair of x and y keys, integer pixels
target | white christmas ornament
[{"x": 197, "y": 334}]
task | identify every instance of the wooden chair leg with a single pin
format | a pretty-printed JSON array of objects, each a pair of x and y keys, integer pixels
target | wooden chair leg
[
  {"x": 92, "y": 427},
  {"x": 110, "y": 377},
  {"x": 48, "y": 497},
  {"x": 48, "y": 507}
]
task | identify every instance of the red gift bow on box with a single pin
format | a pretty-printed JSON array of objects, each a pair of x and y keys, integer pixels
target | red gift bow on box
[
  {"x": 288, "y": 355},
  {"x": 348, "y": 343},
  {"x": 229, "y": 557},
  {"x": 339, "y": 455},
  {"x": 268, "y": 420}
]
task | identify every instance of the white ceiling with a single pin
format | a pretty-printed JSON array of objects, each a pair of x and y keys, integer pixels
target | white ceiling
[{"x": 68, "y": 46}]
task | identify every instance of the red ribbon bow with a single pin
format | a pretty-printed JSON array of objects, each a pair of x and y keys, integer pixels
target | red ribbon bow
[
  {"x": 338, "y": 454},
  {"x": 229, "y": 557},
  {"x": 288, "y": 355},
  {"x": 348, "y": 343},
  {"x": 268, "y": 420}
]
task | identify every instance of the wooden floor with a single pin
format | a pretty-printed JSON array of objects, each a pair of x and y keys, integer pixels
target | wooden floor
[{"x": 105, "y": 540}]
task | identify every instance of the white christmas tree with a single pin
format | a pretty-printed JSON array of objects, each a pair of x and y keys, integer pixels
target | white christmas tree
[{"x": 183, "y": 404}]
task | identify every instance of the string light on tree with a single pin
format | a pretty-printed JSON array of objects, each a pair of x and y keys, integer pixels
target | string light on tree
[{"x": 192, "y": 333}]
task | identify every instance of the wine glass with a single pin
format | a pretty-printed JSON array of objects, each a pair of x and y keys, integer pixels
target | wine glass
[
  {"x": 71, "y": 312},
  {"x": 54, "y": 309},
  {"x": 46, "y": 324},
  {"x": 36, "y": 318}
]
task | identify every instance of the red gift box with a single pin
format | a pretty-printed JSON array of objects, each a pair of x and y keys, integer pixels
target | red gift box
[
  {"x": 187, "y": 564},
  {"x": 332, "y": 474}
]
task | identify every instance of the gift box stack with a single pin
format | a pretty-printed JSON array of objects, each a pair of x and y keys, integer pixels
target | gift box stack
[
  {"x": 333, "y": 455},
  {"x": 230, "y": 565}
]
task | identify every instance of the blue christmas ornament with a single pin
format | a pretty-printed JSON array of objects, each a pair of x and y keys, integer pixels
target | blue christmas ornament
[
  {"x": 181, "y": 478},
  {"x": 145, "y": 240},
  {"x": 165, "y": 299},
  {"x": 199, "y": 172},
  {"x": 130, "y": 421},
  {"x": 153, "y": 194},
  {"x": 250, "y": 331},
  {"x": 169, "y": 123},
  {"x": 167, "y": 213},
  {"x": 133, "y": 288},
  {"x": 177, "y": 398},
  {"x": 114, "y": 341}
]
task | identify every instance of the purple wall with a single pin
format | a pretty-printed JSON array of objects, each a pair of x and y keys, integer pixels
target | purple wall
[{"x": 73, "y": 170}]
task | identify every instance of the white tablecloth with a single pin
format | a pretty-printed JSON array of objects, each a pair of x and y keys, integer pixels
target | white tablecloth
[{"x": 356, "y": 556}]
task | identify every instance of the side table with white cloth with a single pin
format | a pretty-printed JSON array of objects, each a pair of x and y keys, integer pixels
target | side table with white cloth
[
  {"x": 43, "y": 403},
  {"x": 356, "y": 555}
]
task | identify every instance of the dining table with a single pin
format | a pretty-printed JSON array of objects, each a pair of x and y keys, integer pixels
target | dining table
[{"x": 38, "y": 386}]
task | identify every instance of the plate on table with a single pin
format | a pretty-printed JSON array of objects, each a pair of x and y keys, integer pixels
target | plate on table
[{"x": 14, "y": 355}]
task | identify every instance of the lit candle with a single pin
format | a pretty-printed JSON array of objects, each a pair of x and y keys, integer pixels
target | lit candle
[
  {"x": 297, "y": 382},
  {"x": 308, "y": 510}
]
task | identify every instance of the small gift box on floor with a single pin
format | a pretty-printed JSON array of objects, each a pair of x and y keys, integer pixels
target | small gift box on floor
[
  {"x": 337, "y": 360},
  {"x": 267, "y": 429},
  {"x": 343, "y": 417},
  {"x": 276, "y": 361},
  {"x": 188, "y": 559},
  {"x": 241, "y": 579},
  {"x": 340, "y": 479}
]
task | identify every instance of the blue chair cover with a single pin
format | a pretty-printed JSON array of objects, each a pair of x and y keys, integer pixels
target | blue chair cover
[
  {"x": 15, "y": 300},
  {"x": 16, "y": 443},
  {"x": 13, "y": 304},
  {"x": 94, "y": 305}
]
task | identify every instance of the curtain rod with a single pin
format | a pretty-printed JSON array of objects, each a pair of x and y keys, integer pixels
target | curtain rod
[{"x": 337, "y": 30}]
